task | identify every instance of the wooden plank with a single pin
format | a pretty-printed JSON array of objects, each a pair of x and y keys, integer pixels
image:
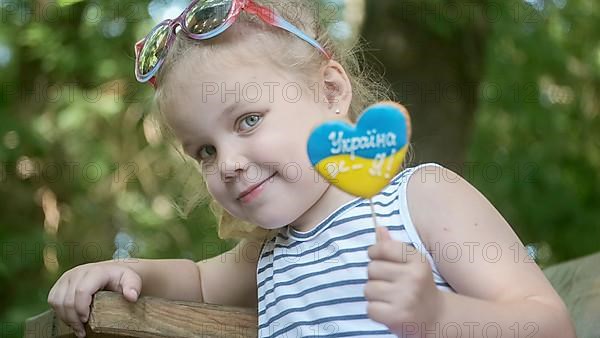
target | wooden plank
[
  {"x": 112, "y": 316},
  {"x": 156, "y": 317}
]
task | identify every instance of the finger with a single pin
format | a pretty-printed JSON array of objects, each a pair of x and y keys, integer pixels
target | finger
[
  {"x": 93, "y": 280},
  {"x": 129, "y": 283},
  {"x": 57, "y": 299},
  {"x": 384, "y": 270},
  {"x": 51, "y": 293},
  {"x": 71, "y": 295},
  {"x": 83, "y": 297},
  {"x": 52, "y": 299},
  {"x": 382, "y": 234},
  {"x": 68, "y": 314},
  {"x": 380, "y": 312},
  {"x": 379, "y": 291},
  {"x": 393, "y": 251}
]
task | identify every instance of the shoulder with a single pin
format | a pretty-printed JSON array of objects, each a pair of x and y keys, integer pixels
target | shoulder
[
  {"x": 437, "y": 198},
  {"x": 433, "y": 181}
]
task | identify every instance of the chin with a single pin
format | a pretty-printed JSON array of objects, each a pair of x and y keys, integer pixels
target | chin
[
  {"x": 271, "y": 227},
  {"x": 272, "y": 223},
  {"x": 277, "y": 218}
]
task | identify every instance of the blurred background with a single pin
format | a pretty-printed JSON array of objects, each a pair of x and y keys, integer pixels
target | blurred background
[{"x": 505, "y": 92}]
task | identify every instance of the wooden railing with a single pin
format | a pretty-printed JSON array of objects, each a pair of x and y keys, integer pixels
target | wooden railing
[{"x": 112, "y": 316}]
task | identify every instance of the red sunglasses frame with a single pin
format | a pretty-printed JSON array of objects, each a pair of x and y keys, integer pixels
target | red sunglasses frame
[{"x": 264, "y": 13}]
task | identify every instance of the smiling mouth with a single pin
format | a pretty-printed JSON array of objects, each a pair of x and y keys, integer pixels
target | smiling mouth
[{"x": 252, "y": 188}]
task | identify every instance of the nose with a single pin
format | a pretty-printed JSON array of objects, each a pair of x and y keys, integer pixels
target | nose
[{"x": 232, "y": 164}]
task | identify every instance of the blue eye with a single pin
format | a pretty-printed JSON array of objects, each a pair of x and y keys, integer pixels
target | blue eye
[
  {"x": 206, "y": 152},
  {"x": 249, "y": 121}
]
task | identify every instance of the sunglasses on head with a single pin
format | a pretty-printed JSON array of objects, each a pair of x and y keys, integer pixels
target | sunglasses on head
[{"x": 201, "y": 20}]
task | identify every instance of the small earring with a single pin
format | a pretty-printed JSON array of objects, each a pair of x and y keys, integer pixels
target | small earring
[{"x": 337, "y": 111}]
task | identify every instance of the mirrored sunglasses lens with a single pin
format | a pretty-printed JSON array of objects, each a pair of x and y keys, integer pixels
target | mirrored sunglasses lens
[
  {"x": 207, "y": 15},
  {"x": 155, "y": 48}
]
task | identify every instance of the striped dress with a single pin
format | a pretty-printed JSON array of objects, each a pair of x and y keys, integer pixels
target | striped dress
[{"x": 311, "y": 283}]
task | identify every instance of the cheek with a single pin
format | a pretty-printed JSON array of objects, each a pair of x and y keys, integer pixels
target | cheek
[
  {"x": 292, "y": 162},
  {"x": 215, "y": 188}
]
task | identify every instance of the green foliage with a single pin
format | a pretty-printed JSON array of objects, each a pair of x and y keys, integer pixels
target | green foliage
[{"x": 539, "y": 110}]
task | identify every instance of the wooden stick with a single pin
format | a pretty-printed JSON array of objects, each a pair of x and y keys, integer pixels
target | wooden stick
[{"x": 373, "y": 214}]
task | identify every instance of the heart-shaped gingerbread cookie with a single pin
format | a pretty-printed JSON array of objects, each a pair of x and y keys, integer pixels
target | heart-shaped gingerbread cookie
[{"x": 362, "y": 159}]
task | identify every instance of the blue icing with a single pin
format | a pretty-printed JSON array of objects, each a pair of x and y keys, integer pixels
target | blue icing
[{"x": 339, "y": 138}]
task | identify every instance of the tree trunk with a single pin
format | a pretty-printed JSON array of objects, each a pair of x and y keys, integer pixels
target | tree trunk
[{"x": 436, "y": 75}]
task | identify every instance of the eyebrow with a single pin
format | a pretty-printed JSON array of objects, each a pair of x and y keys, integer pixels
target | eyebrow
[
  {"x": 226, "y": 112},
  {"x": 229, "y": 109}
]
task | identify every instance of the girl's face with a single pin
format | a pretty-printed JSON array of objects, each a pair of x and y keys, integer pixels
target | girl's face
[{"x": 248, "y": 128}]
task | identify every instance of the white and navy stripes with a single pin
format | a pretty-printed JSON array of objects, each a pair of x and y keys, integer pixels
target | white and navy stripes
[{"x": 311, "y": 283}]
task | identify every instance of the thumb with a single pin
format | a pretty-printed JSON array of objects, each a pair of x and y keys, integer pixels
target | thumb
[
  {"x": 382, "y": 234},
  {"x": 131, "y": 284}
]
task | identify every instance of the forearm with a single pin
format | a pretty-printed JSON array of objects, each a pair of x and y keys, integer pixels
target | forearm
[
  {"x": 176, "y": 279},
  {"x": 470, "y": 317}
]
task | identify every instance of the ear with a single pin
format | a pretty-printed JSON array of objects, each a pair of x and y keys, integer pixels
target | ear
[{"x": 337, "y": 89}]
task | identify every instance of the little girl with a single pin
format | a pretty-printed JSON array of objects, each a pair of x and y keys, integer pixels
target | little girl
[{"x": 242, "y": 85}]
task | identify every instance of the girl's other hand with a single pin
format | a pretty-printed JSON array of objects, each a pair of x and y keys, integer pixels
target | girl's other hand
[
  {"x": 71, "y": 295},
  {"x": 400, "y": 289}
]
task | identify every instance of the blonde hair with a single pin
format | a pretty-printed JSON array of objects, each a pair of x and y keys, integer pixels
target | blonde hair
[{"x": 292, "y": 55}]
